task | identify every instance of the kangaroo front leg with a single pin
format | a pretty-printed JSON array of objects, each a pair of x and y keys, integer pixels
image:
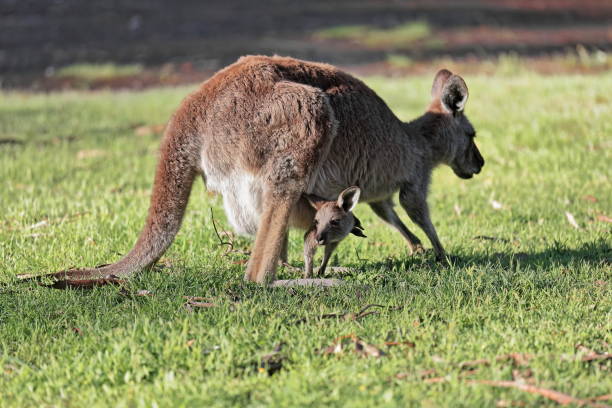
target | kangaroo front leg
[
  {"x": 418, "y": 211},
  {"x": 310, "y": 248},
  {"x": 284, "y": 255},
  {"x": 329, "y": 249},
  {"x": 384, "y": 209},
  {"x": 269, "y": 239}
]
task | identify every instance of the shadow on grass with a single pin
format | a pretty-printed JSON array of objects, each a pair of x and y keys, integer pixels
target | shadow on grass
[{"x": 596, "y": 253}]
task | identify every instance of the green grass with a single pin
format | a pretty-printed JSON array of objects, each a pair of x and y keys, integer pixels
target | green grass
[
  {"x": 75, "y": 163},
  {"x": 399, "y": 61},
  {"x": 398, "y": 37},
  {"x": 98, "y": 71}
]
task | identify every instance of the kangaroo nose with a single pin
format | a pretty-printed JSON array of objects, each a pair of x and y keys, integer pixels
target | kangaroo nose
[{"x": 321, "y": 238}]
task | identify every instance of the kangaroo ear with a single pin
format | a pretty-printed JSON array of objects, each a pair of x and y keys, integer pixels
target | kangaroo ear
[
  {"x": 315, "y": 201},
  {"x": 358, "y": 232},
  {"x": 450, "y": 90},
  {"x": 454, "y": 94},
  {"x": 348, "y": 199},
  {"x": 438, "y": 83}
]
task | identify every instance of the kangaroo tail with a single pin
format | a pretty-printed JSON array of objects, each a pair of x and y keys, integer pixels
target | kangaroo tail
[{"x": 176, "y": 170}]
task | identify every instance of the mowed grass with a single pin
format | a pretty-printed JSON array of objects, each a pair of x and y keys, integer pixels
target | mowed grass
[{"x": 76, "y": 172}]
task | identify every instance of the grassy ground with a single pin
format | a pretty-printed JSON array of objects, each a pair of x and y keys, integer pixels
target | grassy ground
[{"x": 76, "y": 171}]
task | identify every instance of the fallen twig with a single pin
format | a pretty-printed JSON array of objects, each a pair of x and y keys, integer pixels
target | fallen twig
[
  {"x": 556, "y": 396},
  {"x": 552, "y": 395},
  {"x": 196, "y": 301},
  {"x": 365, "y": 311},
  {"x": 305, "y": 282},
  {"x": 230, "y": 243}
]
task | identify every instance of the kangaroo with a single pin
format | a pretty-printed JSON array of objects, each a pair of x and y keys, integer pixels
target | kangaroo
[
  {"x": 333, "y": 221},
  {"x": 266, "y": 130}
]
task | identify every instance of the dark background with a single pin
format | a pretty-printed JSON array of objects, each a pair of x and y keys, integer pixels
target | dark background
[{"x": 202, "y": 36}]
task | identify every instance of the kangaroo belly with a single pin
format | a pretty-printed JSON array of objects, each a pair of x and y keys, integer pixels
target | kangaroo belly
[{"x": 242, "y": 198}]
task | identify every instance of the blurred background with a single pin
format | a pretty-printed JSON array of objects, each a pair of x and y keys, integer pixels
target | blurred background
[{"x": 57, "y": 44}]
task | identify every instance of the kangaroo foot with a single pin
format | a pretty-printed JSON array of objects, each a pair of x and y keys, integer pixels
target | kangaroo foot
[{"x": 418, "y": 249}]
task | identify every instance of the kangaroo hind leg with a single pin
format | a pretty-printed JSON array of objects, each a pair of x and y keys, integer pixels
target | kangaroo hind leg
[{"x": 297, "y": 125}]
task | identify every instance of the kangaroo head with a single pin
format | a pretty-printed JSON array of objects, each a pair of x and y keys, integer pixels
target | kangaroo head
[
  {"x": 334, "y": 220},
  {"x": 449, "y": 96}
]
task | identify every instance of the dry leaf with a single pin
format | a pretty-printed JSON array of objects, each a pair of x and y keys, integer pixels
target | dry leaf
[
  {"x": 496, "y": 205},
  {"x": 468, "y": 373},
  {"x": 435, "y": 380},
  {"x": 437, "y": 359},
  {"x": 89, "y": 154},
  {"x": 355, "y": 344},
  {"x": 141, "y": 292},
  {"x": 506, "y": 403},
  {"x": 606, "y": 397},
  {"x": 590, "y": 198},
  {"x": 190, "y": 343},
  {"x": 201, "y": 304},
  {"x": 148, "y": 130},
  {"x": 457, "y": 209},
  {"x": 77, "y": 331},
  {"x": 525, "y": 376},
  {"x": 489, "y": 238},
  {"x": 305, "y": 282},
  {"x": 39, "y": 224},
  {"x": 406, "y": 343},
  {"x": 556, "y": 396},
  {"x": 603, "y": 218},
  {"x": 473, "y": 363},
  {"x": 195, "y": 301},
  {"x": 590, "y": 355},
  {"x": 518, "y": 359},
  {"x": 571, "y": 220}
]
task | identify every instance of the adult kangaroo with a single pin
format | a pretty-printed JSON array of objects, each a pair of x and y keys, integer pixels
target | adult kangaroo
[{"x": 264, "y": 131}]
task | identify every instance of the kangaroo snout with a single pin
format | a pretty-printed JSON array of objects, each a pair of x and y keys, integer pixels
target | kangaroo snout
[{"x": 321, "y": 238}]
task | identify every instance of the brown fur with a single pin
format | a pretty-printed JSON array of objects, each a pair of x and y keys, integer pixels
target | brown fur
[{"x": 297, "y": 127}]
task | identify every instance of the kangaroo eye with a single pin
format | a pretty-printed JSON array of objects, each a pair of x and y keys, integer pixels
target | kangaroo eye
[{"x": 334, "y": 222}]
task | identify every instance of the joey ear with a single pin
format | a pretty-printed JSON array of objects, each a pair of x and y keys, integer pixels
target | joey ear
[
  {"x": 454, "y": 94},
  {"x": 358, "y": 232},
  {"x": 315, "y": 201},
  {"x": 348, "y": 198},
  {"x": 357, "y": 228},
  {"x": 357, "y": 223}
]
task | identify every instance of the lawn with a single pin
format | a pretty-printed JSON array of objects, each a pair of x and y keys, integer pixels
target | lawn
[{"x": 530, "y": 270}]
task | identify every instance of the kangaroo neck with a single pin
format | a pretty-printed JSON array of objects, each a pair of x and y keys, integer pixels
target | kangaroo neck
[{"x": 427, "y": 133}]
